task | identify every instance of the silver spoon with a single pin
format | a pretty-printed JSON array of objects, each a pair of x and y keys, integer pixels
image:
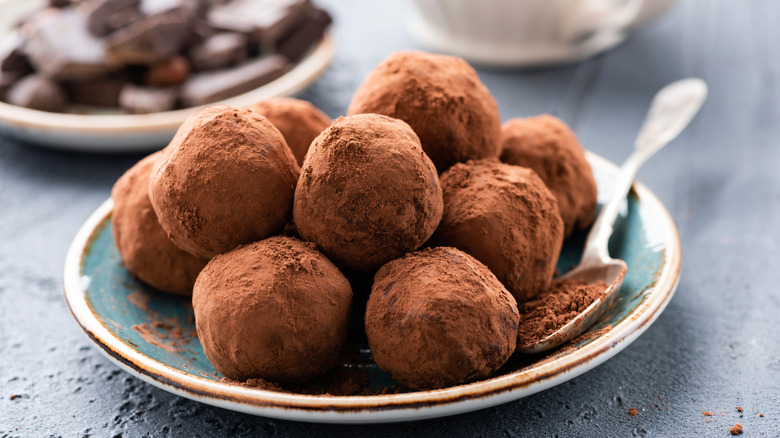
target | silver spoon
[{"x": 673, "y": 107}]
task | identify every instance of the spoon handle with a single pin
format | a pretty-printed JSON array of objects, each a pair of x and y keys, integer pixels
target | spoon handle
[{"x": 672, "y": 109}]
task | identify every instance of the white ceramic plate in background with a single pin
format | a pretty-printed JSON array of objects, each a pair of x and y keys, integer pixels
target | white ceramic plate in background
[{"x": 128, "y": 133}]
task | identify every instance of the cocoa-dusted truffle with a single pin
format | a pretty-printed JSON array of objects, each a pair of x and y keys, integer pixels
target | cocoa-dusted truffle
[
  {"x": 227, "y": 178},
  {"x": 299, "y": 121},
  {"x": 142, "y": 243},
  {"x": 441, "y": 98},
  {"x": 505, "y": 217},
  {"x": 546, "y": 145},
  {"x": 275, "y": 309},
  {"x": 367, "y": 192},
  {"x": 438, "y": 317}
]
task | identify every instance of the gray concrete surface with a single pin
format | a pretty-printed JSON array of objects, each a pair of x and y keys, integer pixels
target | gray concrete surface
[{"x": 716, "y": 346}]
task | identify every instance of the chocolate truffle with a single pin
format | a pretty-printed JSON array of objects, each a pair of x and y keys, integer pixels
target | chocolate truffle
[
  {"x": 505, "y": 217},
  {"x": 441, "y": 98},
  {"x": 275, "y": 309},
  {"x": 142, "y": 243},
  {"x": 546, "y": 145},
  {"x": 227, "y": 178},
  {"x": 299, "y": 121},
  {"x": 367, "y": 192},
  {"x": 438, "y": 317}
]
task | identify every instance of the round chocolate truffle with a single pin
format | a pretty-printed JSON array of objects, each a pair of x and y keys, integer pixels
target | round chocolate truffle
[
  {"x": 276, "y": 309},
  {"x": 227, "y": 178},
  {"x": 441, "y": 98},
  {"x": 299, "y": 121},
  {"x": 146, "y": 250},
  {"x": 438, "y": 317},
  {"x": 367, "y": 192},
  {"x": 547, "y": 146},
  {"x": 505, "y": 217}
]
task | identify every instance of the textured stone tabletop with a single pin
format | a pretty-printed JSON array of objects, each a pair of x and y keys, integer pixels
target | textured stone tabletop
[{"x": 716, "y": 347}]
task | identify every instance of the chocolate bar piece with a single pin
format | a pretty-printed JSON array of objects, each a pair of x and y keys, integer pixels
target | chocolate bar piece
[
  {"x": 37, "y": 92},
  {"x": 12, "y": 57},
  {"x": 6, "y": 80},
  {"x": 101, "y": 13},
  {"x": 219, "y": 51},
  {"x": 295, "y": 44},
  {"x": 208, "y": 87},
  {"x": 101, "y": 92},
  {"x": 143, "y": 100},
  {"x": 192, "y": 8},
  {"x": 173, "y": 71},
  {"x": 61, "y": 48},
  {"x": 265, "y": 21},
  {"x": 149, "y": 40}
]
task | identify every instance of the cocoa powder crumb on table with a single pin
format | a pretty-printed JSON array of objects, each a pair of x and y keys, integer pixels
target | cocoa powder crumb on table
[
  {"x": 739, "y": 408},
  {"x": 707, "y": 413},
  {"x": 736, "y": 429},
  {"x": 760, "y": 415},
  {"x": 633, "y": 412}
]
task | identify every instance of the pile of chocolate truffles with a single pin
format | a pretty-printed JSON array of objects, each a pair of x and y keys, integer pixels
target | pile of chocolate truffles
[
  {"x": 147, "y": 56},
  {"x": 457, "y": 218}
]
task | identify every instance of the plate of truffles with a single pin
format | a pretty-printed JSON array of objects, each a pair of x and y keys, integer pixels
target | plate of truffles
[
  {"x": 380, "y": 267},
  {"x": 122, "y": 75}
]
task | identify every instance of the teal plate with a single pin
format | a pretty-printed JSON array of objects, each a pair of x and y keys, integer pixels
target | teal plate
[{"x": 152, "y": 335}]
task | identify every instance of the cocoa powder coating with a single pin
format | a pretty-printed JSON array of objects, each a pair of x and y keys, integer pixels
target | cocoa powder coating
[
  {"x": 546, "y": 145},
  {"x": 299, "y": 121},
  {"x": 146, "y": 250},
  {"x": 367, "y": 192},
  {"x": 438, "y": 317},
  {"x": 555, "y": 307},
  {"x": 505, "y": 217},
  {"x": 276, "y": 309},
  {"x": 227, "y": 178},
  {"x": 441, "y": 98}
]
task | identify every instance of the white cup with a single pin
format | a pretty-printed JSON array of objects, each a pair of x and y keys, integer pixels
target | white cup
[{"x": 527, "y": 32}]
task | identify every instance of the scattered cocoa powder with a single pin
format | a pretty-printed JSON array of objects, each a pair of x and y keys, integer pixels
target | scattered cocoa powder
[
  {"x": 505, "y": 217},
  {"x": 430, "y": 314},
  {"x": 633, "y": 412},
  {"x": 736, "y": 429},
  {"x": 299, "y": 121},
  {"x": 547, "y": 146},
  {"x": 367, "y": 193},
  {"x": 556, "y": 306},
  {"x": 441, "y": 98},
  {"x": 707, "y": 413}
]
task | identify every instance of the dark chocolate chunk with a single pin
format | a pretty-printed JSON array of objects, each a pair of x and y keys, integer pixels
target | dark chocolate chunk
[
  {"x": 295, "y": 44},
  {"x": 100, "y": 14},
  {"x": 149, "y": 40},
  {"x": 191, "y": 8},
  {"x": 173, "y": 71},
  {"x": 12, "y": 57},
  {"x": 59, "y": 3},
  {"x": 61, "y": 48},
  {"x": 6, "y": 80},
  {"x": 143, "y": 100},
  {"x": 219, "y": 51},
  {"x": 263, "y": 20},
  {"x": 37, "y": 92},
  {"x": 101, "y": 92},
  {"x": 208, "y": 87}
]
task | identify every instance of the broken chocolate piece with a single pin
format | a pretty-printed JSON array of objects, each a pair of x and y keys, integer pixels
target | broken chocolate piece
[
  {"x": 12, "y": 57},
  {"x": 149, "y": 40},
  {"x": 101, "y": 13},
  {"x": 102, "y": 92},
  {"x": 208, "y": 87},
  {"x": 59, "y": 3},
  {"x": 6, "y": 80},
  {"x": 265, "y": 21},
  {"x": 192, "y": 8},
  {"x": 170, "y": 72},
  {"x": 61, "y": 48},
  {"x": 219, "y": 51},
  {"x": 37, "y": 92},
  {"x": 295, "y": 44},
  {"x": 143, "y": 100}
]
